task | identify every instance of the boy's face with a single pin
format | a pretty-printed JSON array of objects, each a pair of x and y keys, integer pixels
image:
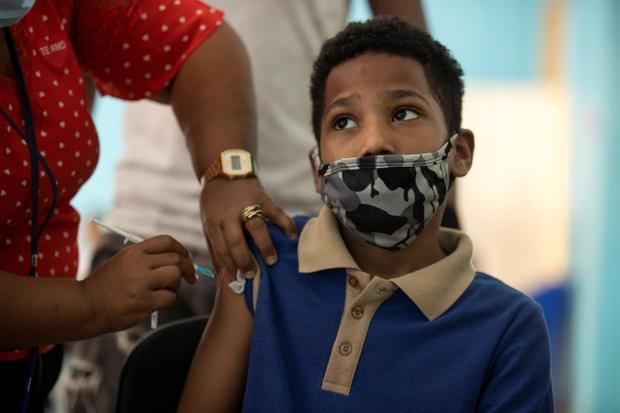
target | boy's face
[
  {"x": 379, "y": 104},
  {"x": 382, "y": 104}
]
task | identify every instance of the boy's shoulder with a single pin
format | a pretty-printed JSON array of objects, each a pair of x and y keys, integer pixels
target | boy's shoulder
[
  {"x": 286, "y": 247},
  {"x": 280, "y": 239},
  {"x": 489, "y": 292},
  {"x": 278, "y": 235},
  {"x": 490, "y": 284},
  {"x": 285, "y": 274},
  {"x": 318, "y": 245}
]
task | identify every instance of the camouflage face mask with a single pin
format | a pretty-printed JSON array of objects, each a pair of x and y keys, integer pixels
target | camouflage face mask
[{"x": 387, "y": 200}]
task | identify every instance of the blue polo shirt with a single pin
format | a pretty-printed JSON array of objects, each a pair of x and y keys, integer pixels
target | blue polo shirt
[{"x": 328, "y": 337}]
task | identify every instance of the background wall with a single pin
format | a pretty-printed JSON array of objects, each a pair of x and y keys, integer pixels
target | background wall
[{"x": 594, "y": 62}]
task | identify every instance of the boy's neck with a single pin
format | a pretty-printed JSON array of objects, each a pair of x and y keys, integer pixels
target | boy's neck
[{"x": 424, "y": 251}]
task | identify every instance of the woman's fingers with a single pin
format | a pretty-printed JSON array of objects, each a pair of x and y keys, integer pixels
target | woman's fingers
[
  {"x": 162, "y": 299},
  {"x": 163, "y": 243},
  {"x": 262, "y": 238},
  {"x": 167, "y": 258},
  {"x": 170, "y": 270},
  {"x": 220, "y": 251},
  {"x": 220, "y": 268},
  {"x": 280, "y": 218},
  {"x": 239, "y": 251},
  {"x": 222, "y": 204},
  {"x": 226, "y": 276},
  {"x": 165, "y": 278},
  {"x": 183, "y": 263}
]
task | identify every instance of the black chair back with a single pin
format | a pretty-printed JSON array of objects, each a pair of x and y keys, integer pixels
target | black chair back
[{"x": 154, "y": 374}]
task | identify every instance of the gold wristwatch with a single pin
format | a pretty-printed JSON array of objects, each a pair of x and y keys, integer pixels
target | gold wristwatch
[{"x": 233, "y": 164}]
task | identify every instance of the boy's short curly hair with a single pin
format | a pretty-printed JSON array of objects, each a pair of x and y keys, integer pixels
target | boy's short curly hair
[{"x": 391, "y": 35}]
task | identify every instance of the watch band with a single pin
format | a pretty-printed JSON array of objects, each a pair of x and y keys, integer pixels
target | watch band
[{"x": 213, "y": 170}]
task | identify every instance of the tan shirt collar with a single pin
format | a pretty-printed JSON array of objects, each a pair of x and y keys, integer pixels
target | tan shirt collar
[{"x": 433, "y": 289}]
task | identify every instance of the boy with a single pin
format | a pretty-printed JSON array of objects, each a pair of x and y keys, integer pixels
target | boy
[{"x": 375, "y": 308}]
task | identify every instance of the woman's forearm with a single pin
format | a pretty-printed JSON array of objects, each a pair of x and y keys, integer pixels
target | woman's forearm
[
  {"x": 213, "y": 98},
  {"x": 43, "y": 311}
]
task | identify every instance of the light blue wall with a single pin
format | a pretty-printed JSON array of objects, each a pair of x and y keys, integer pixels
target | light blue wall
[
  {"x": 594, "y": 61},
  {"x": 95, "y": 197},
  {"x": 493, "y": 40}
]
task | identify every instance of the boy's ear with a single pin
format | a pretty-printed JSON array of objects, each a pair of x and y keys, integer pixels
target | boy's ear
[
  {"x": 462, "y": 154},
  {"x": 315, "y": 171}
]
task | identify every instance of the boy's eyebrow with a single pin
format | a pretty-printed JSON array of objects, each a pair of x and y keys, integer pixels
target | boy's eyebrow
[
  {"x": 343, "y": 101},
  {"x": 401, "y": 93}
]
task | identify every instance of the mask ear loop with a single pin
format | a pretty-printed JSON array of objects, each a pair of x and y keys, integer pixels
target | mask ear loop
[
  {"x": 451, "y": 140},
  {"x": 315, "y": 159},
  {"x": 454, "y": 137},
  {"x": 449, "y": 144}
]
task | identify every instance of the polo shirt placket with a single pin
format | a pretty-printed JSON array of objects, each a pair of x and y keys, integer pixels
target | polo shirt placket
[{"x": 363, "y": 297}]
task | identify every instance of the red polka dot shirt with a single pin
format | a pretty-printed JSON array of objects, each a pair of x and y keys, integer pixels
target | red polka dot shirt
[{"x": 133, "y": 49}]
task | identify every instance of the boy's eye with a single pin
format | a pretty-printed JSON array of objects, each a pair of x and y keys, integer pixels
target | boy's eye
[
  {"x": 345, "y": 122},
  {"x": 404, "y": 114}
]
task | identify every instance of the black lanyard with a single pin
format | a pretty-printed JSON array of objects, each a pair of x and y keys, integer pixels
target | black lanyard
[{"x": 35, "y": 159}]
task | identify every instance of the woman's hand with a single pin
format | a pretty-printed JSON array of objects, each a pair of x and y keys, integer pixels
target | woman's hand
[
  {"x": 138, "y": 280},
  {"x": 221, "y": 203}
]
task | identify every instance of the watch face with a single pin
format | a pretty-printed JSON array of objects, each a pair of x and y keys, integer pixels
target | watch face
[{"x": 237, "y": 163}]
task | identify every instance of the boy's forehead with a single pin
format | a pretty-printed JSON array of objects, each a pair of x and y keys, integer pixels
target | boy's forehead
[{"x": 376, "y": 71}]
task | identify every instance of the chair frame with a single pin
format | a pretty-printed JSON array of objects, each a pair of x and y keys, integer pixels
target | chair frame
[{"x": 154, "y": 373}]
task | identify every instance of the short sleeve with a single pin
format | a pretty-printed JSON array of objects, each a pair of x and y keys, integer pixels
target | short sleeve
[
  {"x": 520, "y": 376},
  {"x": 133, "y": 48},
  {"x": 284, "y": 245}
]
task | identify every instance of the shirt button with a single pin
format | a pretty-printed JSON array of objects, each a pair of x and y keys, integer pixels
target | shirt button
[
  {"x": 353, "y": 282},
  {"x": 345, "y": 348},
  {"x": 357, "y": 312}
]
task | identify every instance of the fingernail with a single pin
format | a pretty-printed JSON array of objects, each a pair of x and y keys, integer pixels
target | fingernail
[
  {"x": 271, "y": 260},
  {"x": 249, "y": 274}
]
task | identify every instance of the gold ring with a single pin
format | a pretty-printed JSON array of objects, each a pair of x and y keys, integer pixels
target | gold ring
[{"x": 253, "y": 211}]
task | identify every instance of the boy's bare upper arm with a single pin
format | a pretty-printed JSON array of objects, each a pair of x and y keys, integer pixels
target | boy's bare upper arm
[{"x": 216, "y": 380}]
